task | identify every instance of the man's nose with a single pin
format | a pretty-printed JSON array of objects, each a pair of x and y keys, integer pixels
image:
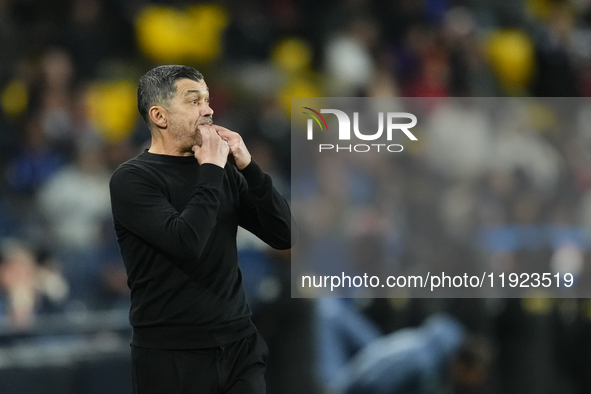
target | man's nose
[{"x": 207, "y": 111}]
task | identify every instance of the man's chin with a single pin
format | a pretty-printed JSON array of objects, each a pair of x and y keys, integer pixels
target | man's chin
[{"x": 188, "y": 150}]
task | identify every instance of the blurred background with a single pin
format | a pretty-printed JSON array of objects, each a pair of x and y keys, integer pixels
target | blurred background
[
  {"x": 491, "y": 185},
  {"x": 68, "y": 118}
]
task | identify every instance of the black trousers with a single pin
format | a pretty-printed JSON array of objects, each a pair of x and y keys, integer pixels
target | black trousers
[{"x": 236, "y": 368}]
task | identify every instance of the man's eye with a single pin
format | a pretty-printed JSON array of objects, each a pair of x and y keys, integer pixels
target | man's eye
[{"x": 194, "y": 101}]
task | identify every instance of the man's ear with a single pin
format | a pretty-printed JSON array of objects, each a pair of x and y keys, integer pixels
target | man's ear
[{"x": 158, "y": 116}]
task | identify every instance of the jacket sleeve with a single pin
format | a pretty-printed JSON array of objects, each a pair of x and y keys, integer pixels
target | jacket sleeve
[
  {"x": 142, "y": 208},
  {"x": 263, "y": 211}
]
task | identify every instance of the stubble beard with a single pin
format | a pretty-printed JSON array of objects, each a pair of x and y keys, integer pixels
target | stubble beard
[{"x": 189, "y": 139}]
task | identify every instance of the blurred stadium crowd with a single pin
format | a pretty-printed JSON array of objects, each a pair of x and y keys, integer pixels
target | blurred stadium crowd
[{"x": 68, "y": 118}]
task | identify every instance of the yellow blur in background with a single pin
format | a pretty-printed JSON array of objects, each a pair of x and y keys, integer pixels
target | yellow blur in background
[
  {"x": 112, "y": 109},
  {"x": 194, "y": 34}
]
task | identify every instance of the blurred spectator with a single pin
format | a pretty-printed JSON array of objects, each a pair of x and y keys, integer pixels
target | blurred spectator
[
  {"x": 55, "y": 97},
  {"x": 459, "y": 154},
  {"x": 349, "y": 57},
  {"x": 28, "y": 288},
  {"x": 556, "y": 75},
  {"x": 76, "y": 205},
  {"x": 469, "y": 74},
  {"x": 35, "y": 163},
  {"x": 521, "y": 147},
  {"x": 75, "y": 202},
  {"x": 431, "y": 76}
]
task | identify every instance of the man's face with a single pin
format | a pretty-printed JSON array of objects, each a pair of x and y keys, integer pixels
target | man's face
[{"x": 188, "y": 109}]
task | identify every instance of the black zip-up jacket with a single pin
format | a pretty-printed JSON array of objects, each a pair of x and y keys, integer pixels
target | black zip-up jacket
[{"x": 176, "y": 224}]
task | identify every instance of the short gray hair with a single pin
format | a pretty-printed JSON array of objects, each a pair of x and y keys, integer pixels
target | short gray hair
[{"x": 157, "y": 86}]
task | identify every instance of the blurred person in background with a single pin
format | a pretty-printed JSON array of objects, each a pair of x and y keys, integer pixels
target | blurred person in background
[
  {"x": 349, "y": 61},
  {"x": 439, "y": 356},
  {"x": 28, "y": 286},
  {"x": 176, "y": 209},
  {"x": 55, "y": 97},
  {"x": 556, "y": 74},
  {"x": 34, "y": 163},
  {"x": 427, "y": 359},
  {"x": 75, "y": 206}
]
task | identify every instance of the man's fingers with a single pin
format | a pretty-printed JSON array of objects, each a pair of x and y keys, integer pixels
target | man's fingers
[
  {"x": 213, "y": 148},
  {"x": 221, "y": 129},
  {"x": 209, "y": 133},
  {"x": 207, "y": 130},
  {"x": 225, "y": 133},
  {"x": 238, "y": 151},
  {"x": 234, "y": 139}
]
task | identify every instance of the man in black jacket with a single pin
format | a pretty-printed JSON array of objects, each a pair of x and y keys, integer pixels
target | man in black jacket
[{"x": 176, "y": 209}]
